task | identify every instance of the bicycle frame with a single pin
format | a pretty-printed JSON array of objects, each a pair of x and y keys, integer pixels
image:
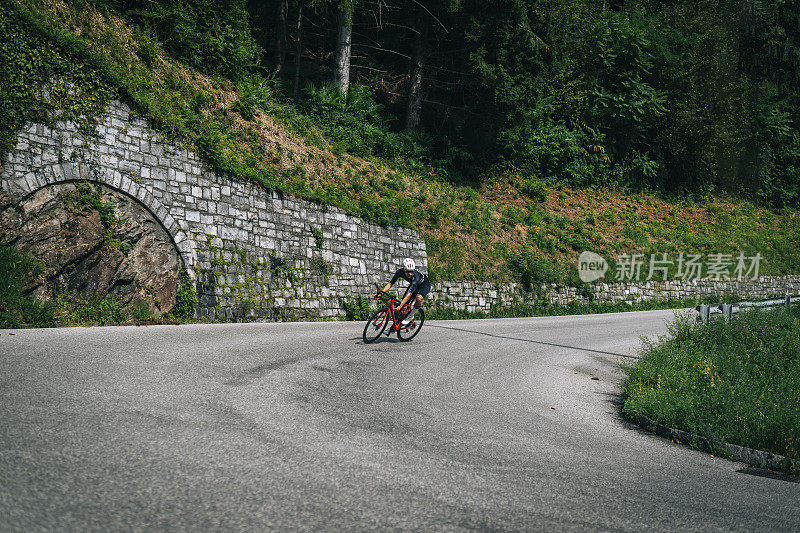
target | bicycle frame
[{"x": 390, "y": 308}]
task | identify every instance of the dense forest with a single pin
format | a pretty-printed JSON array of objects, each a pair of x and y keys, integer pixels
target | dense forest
[{"x": 668, "y": 96}]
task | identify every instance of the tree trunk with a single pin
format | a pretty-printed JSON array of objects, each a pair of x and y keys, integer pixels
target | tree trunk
[
  {"x": 298, "y": 48},
  {"x": 280, "y": 35},
  {"x": 414, "y": 109},
  {"x": 341, "y": 67}
]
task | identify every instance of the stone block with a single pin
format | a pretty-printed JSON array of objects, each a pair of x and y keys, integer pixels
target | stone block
[
  {"x": 130, "y": 167},
  {"x": 159, "y": 173},
  {"x": 184, "y": 246}
]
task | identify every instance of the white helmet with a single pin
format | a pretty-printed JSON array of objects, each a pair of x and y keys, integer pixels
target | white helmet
[{"x": 409, "y": 264}]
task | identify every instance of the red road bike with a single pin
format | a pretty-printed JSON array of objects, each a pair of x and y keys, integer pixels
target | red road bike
[{"x": 389, "y": 314}]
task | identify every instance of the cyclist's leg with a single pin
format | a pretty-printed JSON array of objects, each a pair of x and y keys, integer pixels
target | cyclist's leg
[
  {"x": 422, "y": 293},
  {"x": 418, "y": 301},
  {"x": 416, "y": 298}
]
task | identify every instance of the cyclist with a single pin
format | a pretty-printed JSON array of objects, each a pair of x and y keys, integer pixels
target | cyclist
[{"x": 418, "y": 287}]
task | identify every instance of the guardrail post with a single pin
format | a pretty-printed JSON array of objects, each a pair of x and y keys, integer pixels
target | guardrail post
[
  {"x": 727, "y": 311},
  {"x": 788, "y": 301},
  {"x": 704, "y": 313}
]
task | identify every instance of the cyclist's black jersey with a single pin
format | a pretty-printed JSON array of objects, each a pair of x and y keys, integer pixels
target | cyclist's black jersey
[{"x": 418, "y": 282}]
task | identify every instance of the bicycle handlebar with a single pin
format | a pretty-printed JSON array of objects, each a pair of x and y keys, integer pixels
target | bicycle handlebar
[
  {"x": 380, "y": 291},
  {"x": 390, "y": 296}
]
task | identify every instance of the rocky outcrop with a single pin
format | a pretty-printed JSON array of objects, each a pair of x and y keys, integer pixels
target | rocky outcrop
[{"x": 125, "y": 253}]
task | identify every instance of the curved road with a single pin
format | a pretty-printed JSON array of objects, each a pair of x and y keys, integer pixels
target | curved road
[{"x": 491, "y": 424}]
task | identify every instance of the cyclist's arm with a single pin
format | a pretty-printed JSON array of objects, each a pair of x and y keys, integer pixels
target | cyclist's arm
[
  {"x": 393, "y": 281},
  {"x": 405, "y": 299}
]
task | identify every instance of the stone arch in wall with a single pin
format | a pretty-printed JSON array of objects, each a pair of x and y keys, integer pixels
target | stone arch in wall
[
  {"x": 137, "y": 256},
  {"x": 21, "y": 186}
]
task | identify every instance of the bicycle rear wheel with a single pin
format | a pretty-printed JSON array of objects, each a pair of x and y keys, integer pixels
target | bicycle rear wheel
[
  {"x": 375, "y": 325},
  {"x": 406, "y": 333}
]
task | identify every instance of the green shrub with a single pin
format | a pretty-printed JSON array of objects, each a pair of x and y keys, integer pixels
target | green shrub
[
  {"x": 536, "y": 189},
  {"x": 354, "y": 124},
  {"x": 209, "y": 35},
  {"x": 148, "y": 47},
  {"x": 186, "y": 299},
  {"x": 531, "y": 270},
  {"x": 254, "y": 92},
  {"x": 553, "y": 151},
  {"x": 358, "y": 308},
  {"x": 622, "y": 98}
]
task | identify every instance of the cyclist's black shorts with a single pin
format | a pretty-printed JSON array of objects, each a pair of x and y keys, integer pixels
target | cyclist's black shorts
[{"x": 423, "y": 289}]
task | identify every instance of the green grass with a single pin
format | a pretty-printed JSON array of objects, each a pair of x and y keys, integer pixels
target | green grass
[
  {"x": 731, "y": 383},
  {"x": 17, "y": 309}
]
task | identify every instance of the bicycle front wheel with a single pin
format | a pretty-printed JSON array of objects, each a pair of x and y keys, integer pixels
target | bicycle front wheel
[
  {"x": 408, "y": 332},
  {"x": 375, "y": 325}
]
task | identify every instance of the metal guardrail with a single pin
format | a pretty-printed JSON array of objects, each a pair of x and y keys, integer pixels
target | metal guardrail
[{"x": 728, "y": 310}]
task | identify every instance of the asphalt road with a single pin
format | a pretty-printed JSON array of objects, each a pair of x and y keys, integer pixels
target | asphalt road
[{"x": 490, "y": 425}]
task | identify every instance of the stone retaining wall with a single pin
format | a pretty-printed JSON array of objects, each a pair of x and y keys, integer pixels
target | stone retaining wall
[
  {"x": 253, "y": 253},
  {"x": 483, "y": 296}
]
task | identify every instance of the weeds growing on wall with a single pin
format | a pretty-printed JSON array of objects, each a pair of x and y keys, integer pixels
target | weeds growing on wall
[
  {"x": 520, "y": 310},
  {"x": 186, "y": 299},
  {"x": 357, "y": 308},
  {"x": 40, "y": 82},
  {"x": 91, "y": 197}
]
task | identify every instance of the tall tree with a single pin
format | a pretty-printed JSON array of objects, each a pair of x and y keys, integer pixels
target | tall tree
[
  {"x": 280, "y": 34},
  {"x": 344, "y": 45},
  {"x": 414, "y": 108},
  {"x": 298, "y": 46}
]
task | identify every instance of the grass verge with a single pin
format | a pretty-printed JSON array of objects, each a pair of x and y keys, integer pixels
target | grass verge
[{"x": 733, "y": 383}]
